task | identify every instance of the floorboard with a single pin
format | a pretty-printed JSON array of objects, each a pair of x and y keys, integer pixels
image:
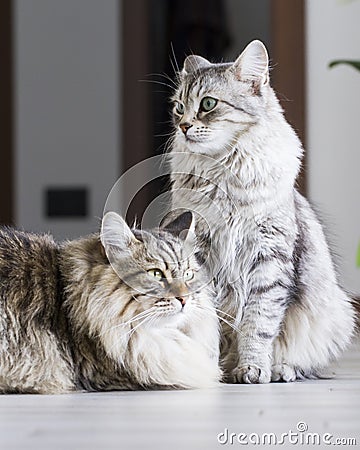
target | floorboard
[{"x": 189, "y": 419}]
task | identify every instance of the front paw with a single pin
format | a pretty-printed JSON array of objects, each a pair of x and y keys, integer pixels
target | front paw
[
  {"x": 250, "y": 375},
  {"x": 283, "y": 372}
]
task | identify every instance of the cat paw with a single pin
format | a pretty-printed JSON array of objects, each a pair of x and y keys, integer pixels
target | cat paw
[
  {"x": 283, "y": 372},
  {"x": 250, "y": 375}
]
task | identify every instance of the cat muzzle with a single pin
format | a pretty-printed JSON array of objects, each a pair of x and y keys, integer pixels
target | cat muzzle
[
  {"x": 181, "y": 300},
  {"x": 185, "y": 126}
]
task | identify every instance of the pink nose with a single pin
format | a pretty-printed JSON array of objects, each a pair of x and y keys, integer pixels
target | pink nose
[
  {"x": 184, "y": 127},
  {"x": 181, "y": 300}
]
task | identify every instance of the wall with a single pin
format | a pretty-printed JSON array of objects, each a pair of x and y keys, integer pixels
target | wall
[
  {"x": 333, "y": 111},
  {"x": 247, "y": 20},
  {"x": 67, "y": 101}
]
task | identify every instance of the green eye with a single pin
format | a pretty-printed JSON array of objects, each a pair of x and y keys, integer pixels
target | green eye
[
  {"x": 156, "y": 273},
  {"x": 188, "y": 275},
  {"x": 208, "y": 103},
  {"x": 180, "y": 108}
]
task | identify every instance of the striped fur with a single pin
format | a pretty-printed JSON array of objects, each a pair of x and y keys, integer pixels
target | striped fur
[
  {"x": 71, "y": 320},
  {"x": 235, "y": 166}
]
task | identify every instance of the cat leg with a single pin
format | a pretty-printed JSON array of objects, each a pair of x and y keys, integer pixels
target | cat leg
[
  {"x": 261, "y": 319},
  {"x": 255, "y": 352},
  {"x": 259, "y": 326},
  {"x": 283, "y": 372}
]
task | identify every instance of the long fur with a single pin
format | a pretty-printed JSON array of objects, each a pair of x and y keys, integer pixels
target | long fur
[
  {"x": 235, "y": 166},
  {"x": 70, "y": 320}
]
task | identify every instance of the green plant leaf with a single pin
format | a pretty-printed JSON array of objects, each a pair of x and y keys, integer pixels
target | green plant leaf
[
  {"x": 358, "y": 256},
  {"x": 355, "y": 64}
]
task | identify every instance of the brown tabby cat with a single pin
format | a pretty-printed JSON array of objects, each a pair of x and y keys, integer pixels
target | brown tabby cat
[{"x": 71, "y": 320}]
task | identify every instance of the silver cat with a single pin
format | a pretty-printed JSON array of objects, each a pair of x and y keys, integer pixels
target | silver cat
[{"x": 234, "y": 163}]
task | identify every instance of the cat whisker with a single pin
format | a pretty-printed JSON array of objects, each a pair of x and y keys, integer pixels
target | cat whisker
[
  {"x": 152, "y": 318},
  {"x": 174, "y": 62},
  {"x": 147, "y": 319},
  {"x": 163, "y": 75},
  {"x": 226, "y": 314},
  {"x": 164, "y": 122},
  {"x": 231, "y": 325},
  {"x": 139, "y": 316},
  {"x": 130, "y": 332},
  {"x": 134, "y": 328},
  {"x": 158, "y": 82},
  {"x": 160, "y": 92},
  {"x": 163, "y": 135},
  {"x": 168, "y": 146},
  {"x": 163, "y": 149},
  {"x": 160, "y": 74}
]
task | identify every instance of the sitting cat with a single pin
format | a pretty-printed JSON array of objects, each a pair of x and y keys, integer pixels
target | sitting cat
[
  {"x": 234, "y": 162},
  {"x": 70, "y": 320}
]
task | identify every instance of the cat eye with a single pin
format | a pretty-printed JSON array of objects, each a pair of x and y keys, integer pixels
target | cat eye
[
  {"x": 208, "y": 103},
  {"x": 188, "y": 275},
  {"x": 180, "y": 108},
  {"x": 156, "y": 273}
]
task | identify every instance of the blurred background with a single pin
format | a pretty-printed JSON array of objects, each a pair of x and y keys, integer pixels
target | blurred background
[{"x": 81, "y": 103}]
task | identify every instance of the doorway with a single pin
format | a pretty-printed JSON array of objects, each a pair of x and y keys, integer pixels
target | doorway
[{"x": 157, "y": 35}]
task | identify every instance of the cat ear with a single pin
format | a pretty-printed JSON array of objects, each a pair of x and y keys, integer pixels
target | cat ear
[
  {"x": 183, "y": 226},
  {"x": 115, "y": 232},
  {"x": 253, "y": 64},
  {"x": 193, "y": 63}
]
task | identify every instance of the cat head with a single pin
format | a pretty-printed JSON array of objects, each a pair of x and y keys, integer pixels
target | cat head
[
  {"x": 215, "y": 103},
  {"x": 157, "y": 268}
]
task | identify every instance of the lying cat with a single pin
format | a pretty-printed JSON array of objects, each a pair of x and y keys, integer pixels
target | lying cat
[
  {"x": 234, "y": 162},
  {"x": 70, "y": 320}
]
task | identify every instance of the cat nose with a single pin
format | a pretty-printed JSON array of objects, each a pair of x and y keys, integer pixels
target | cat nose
[
  {"x": 181, "y": 300},
  {"x": 185, "y": 126}
]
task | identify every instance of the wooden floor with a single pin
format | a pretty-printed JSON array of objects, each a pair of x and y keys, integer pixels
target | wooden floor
[{"x": 177, "y": 420}]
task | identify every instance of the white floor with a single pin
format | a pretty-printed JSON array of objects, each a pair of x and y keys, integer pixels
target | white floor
[{"x": 188, "y": 420}]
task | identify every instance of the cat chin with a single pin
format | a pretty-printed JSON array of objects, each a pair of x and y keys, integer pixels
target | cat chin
[
  {"x": 215, "y": 146},
  {"x": 209, "y": 148},
  {"x": 192, "y": 143}
]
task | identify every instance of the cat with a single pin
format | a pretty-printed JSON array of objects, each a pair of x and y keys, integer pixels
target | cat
[
  {"x": 121, "y": 309},
  {"x": 234, "y": 161}
]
